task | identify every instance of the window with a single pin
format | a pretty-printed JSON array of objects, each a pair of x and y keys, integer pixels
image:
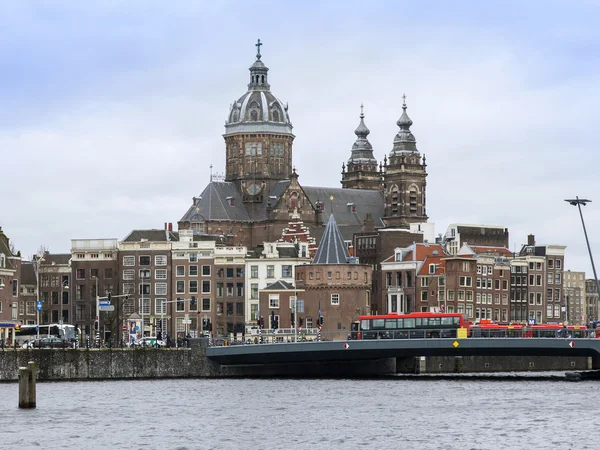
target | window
[
  {"x": 205, "y": 286},
  {"x": 229, "y": 289},
  {"x": 80, "y": 274},
  {"x": 129, "y": 274},
  {"x": 194, "y": 304},
  {"x": 286, "y": 271},
  {"x": 270, "y": 271},
  {"x": 129, "y": 288},
  {"x": 496, "y": 299},
  {"x": 145, "y": 260},
  {"x": 489, "y": 283},
  {"x": 180, "y": 271},
  {"x": 193, "y": 271},
  {"x": 253, "y": 271},
  {"x": 335, "y": 299},
  {"x": 160, "y": 260},
  {"x": 329, "y": 275},
  {"x": 145, "y": 290},
  {"x": 253, "y": 148},
  {"x": 205, "y": 304},
  {"x": 160, "y": 274},
  {"x": 160, "y": 306},
  {"x": 193, "y": 287},
  {"x": 160, "y": 288},
  {"x": 193, "y": 257},
  {"x": 219, "y": 308},
  {"x": 538, "y": 298},
  {"x": 478, "y": 282},
  {"x": 273, "y": 300},
  {"x": 423, "y": 281},
  {"x": 145, "y": 274},
  {"x": 469, "y": 296},
  {"x": 424, "y": 296},
  {"x": 239, "y": 309},
  {"x": 538, "y": 280},
  {"x": 557, "y": 277},
  {"x": 484, "y": 270},
  {"x": 205, "y": 270},
  {"x": 497, "y": 284},
  {"x": 254, "y": 291},
  {"x": 129, "y": 260},
  {"x": 108, "y": 273},
  {"x": 504, "y": 285},
  {"x": 239, "y": 272},
  {"x": 466, "y": 281},
  {"x": 450, "y": 295},
  {"x": 478, "y": 298},
  {"x": 230, "y": 272},
  {"x": 219, "y": 289},
  {"x": 180, "y": 287},
  {"x": 240, "y": 289},
  {"x": 478, "y": 270},
  {"x": 558, "y": 264},
  {"x": 466, "y": 266},
  {"x": 180, "y": 304}
]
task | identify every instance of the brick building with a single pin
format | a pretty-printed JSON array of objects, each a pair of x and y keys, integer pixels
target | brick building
[
  {"x": 575, "y": 298},
  {"x": 591, "y": 299},
  {"x": 94, "y": 272},
  {"x": 10, "y": 272},
  {"x": 54, "y": 277},
  {"x": 27, "y": 294},
  {"x": 477, "y": 235},
  {"x": 230, "y": 291}
]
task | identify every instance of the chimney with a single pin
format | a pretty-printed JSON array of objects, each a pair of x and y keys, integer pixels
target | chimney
[
  {"x": 531, "y": 239},
  {"x": 194, "y": 200},
  {"x": 165, "y": 226},
  {"x": 170, "y": 226}
]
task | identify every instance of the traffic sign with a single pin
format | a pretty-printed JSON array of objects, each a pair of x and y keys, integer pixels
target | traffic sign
[
  {"x": 571, "y": 344},
  {"x": 104, "y": 303},
  {"x": 346, "y": 346},
  {"x": 124, "y": 328},
  {"x": 39, "y": 305},
  {"x": 106, "y": 308},
  {"x": 187, "y": 321}
]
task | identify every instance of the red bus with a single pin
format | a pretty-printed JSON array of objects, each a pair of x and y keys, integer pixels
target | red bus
[
  {"x": 415, "y": 325},
  {"x": 488, "y": 329},
  {"x": 558, "y": 330}
]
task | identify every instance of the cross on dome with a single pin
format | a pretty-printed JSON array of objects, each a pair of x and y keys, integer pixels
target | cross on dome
[{"x": 258, "y": 44}]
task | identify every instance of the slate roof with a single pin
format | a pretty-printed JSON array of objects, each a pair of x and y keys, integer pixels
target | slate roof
[
  {"x": 213, "y": 205},
  {"x": 56, "y": 258},
  {"x": 332, "y": 249},
  {"x": 27, "y": 273},
  {"x": 151, "y": 236},
  {"x": 365, "y": 201},
  {"x": 279, "y": 285}
]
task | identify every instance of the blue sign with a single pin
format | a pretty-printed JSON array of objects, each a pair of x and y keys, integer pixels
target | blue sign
[
  {"x": 531, "y": 321},
  {"x": 104, "y": 303},
  {"x": 39, "y": 305}
]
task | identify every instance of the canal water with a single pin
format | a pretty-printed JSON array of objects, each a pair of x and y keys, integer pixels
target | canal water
[{"x": 402, "y": 413}]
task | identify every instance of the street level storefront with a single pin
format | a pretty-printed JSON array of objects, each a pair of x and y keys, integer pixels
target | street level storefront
[{"x": 7, "y": 333}]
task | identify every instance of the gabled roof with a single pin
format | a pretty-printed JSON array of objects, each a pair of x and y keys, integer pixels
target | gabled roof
[
  {"x": 279, "y": 285},
  {"x": 332, "y": 249},
  {"x": 56, "y": 258},
  {"x": 419, "y": 252},
  {"x": 27, "y": 273},
  {"x": 151, "y": 236},
  {"x": 496, "y": 251},
  {"x": 440, "y": 263},
  {"x": 365, "y": 202},
  {"x": 213, "y": 204}
]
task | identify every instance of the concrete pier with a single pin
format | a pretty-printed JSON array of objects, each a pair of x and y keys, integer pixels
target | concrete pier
[{"x": 27, "y": 386}]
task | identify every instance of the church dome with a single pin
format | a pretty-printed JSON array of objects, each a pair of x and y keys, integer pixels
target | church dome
[{"x": 258, "y": 110}]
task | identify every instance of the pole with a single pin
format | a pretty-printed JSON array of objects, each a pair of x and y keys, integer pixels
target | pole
[
  {"x": 142, "y": 308},
  {"x": 588, "y": 244},
  {"x": 37, "y": 282},
  {"x": 97, "y": 311}
]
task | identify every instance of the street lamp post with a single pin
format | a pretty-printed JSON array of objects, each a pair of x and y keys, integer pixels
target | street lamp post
[
  {"x": 37, "y": 285},
  {"x": 578, "y": 202}
]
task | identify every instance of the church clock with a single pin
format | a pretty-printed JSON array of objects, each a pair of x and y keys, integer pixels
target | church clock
[{"x": 253, "y": 189}]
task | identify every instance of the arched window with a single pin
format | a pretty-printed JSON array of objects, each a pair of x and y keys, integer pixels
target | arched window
[
  {"x": 275, "y": 116},
  {"x": 254, "y": 111},
  {"x": 262, "y": 81},
  {"x": 235, "y": 116},
  {"x": 394, "y": 198},
  {"x": 412, "y": 198},
  {"x": 254, "y": 115}
]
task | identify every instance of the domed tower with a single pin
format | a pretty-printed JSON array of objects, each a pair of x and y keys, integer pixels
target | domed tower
[
  {"x": 258, "y": 138},
  {"x": 361, "y": 172},
  {"x": 404, "y": 178}
]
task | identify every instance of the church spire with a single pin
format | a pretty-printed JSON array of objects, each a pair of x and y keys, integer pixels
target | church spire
[
  {"x": 362, "y": 149},
  {"x": 258, "y": 73},
  {"x": 404, "y": 141}
]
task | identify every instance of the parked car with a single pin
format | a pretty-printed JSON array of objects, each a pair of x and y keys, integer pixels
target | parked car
[
  {"x": 48, "y": 342},
  {"x": 148, "y": 342}
]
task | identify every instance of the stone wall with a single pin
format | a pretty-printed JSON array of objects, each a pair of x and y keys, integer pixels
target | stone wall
[{"x": 106, "y": 364}]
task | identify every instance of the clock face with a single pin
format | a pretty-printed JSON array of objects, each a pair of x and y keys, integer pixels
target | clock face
[{"x": 253, "y": 189}]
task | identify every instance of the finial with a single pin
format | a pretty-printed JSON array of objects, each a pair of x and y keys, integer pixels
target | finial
[
  {"x": 258, "y": 44},
  {"x": 403, "y": 101},
  {"x": 362, "y": 114},
  {"x": 343, "y": 167}
]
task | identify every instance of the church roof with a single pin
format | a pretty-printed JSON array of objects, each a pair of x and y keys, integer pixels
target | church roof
[
  {"x": 332, "y": 249},
  {"x": 220, "y": 201},
  {"x": 349, "y": 220},
  {"x": 404, "y": 141},
  {"x": 362, "y": 151}
]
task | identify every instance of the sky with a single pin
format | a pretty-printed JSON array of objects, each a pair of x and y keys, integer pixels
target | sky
[{"x": 111, "y": 112}]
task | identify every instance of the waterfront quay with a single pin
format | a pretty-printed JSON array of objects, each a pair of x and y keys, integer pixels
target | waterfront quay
[{"x": 339, "y": 359}]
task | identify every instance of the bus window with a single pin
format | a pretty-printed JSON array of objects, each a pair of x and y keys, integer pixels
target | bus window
[
  {"x": 365, "y": 324},
  {"x": 409, "y": 323},
  {"x": 378, "y": 323},
  {"x": 390, "y": 323},
  {"x": 448, "y": 320},
  {"x": 418, "y": 322},
  {"x": 456, "y": 320},
  {"x": 434, "y": 321},
  {"x": 401, "y": 323}
]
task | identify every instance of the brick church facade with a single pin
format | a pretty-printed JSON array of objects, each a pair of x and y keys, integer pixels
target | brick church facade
[{"x": 261, "y": 189}]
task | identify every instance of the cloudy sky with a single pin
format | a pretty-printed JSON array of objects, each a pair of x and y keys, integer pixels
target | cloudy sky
[{"x": 112, "y": 111}]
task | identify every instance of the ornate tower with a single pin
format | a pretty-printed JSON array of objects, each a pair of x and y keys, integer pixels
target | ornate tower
[
  {"x": 404, "y": 178},
  {"x": 362, "y": 167},
  {"x": 258, "y": 139}
]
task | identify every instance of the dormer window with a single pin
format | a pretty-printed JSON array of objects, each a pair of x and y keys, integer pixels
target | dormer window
[
  {"x": 230, "y": 201},
  {"x": 398, "y": 256},
  {"x": 351, "y": 207},
  {"x": 432, "y": 268},
  {"x": 2, "y": 260}
]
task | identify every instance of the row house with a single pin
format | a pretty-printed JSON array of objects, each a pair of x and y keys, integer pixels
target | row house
[
  {"x": 575, "y": 300},
  {"x": 543, "y": 273},
  {"x": 591, "y": 299},
  {"x": 27, "y": 294},
  {"x": 475, "y": 235},
  {"x": 401, "y": 291},
  {"x": 10, "y": 273},
  {"x": 230, "y": 291},
  {"x": 266, "y": 264},
  {"x": 54, "y": 276},
  {"x": 145, "y": 274},
  {"x": 94, "y": 273},
  {"x": 491, "y": 281}
]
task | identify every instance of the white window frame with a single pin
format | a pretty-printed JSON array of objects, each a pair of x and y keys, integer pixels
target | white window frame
[
  {"x": 129, "y": 261},
  {"x": 273, "y": 301},
  {"x": 160, "y": 274},
  {"x": 160, "y": 260},
  {"x": 209, "y": 287},
  {"x": 177, "y": 271},
  {"x": 160, "y": 306},
  {"x": 335, "y": 299},
  {"x": 160, "y": 289},
  {"x": 190, "y": 289},
  {"x": 128, "y": 274},
  {"x": 180, "y": 283}
]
